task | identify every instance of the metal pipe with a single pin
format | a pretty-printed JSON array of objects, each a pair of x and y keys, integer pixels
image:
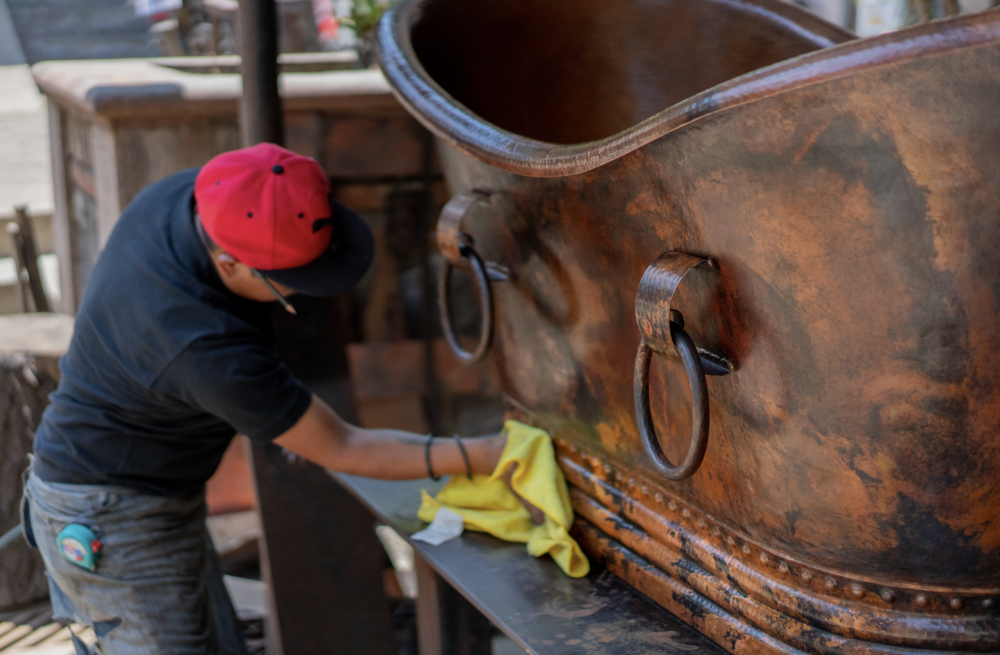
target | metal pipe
[
  {"x": 260, "y": 107},
  {"x": 10, "y": 536}
]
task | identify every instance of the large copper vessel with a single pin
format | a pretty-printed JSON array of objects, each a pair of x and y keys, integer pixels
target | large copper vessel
[{"x": 656, "y": 192}]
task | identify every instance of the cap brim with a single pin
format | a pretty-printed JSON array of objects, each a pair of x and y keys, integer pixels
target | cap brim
[{"x": 338, "y": 268}]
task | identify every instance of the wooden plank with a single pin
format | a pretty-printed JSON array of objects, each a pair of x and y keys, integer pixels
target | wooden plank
[
  {"x": 25, "y": 386},
  {"x": 27, "y": 246},
  {"x": 42, "y": 224},
  {"x": 14, "y": 231},
  {"x": 383, "y": 317},
  {"x": 15, "y": 635},
  {"x": 45, "y": 335},
  {"x": 319, "y": 553},
  {"x": 64, "y": 236},
  {"x": 106, "y": 181},
  {"x": 373, "y": 196},
  {"x": 321, "y": 560},
  {"x": 147, "y": 152},
  {"x": 398, "y": 413},
  {"x": 38, "y": 636},
  {"x": 378, "y": 146},
  {"x": 387, "y": 369},
  {"x": 390, "y": 369}
]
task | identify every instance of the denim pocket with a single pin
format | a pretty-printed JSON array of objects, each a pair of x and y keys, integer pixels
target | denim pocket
[{"x": 57, "y": 507}]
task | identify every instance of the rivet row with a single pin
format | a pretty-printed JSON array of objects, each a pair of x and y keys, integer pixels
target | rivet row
[{"x": 856, "y": 590}]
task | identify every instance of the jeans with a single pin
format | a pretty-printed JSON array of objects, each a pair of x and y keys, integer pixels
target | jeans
[{"x": 158, "y": 586}]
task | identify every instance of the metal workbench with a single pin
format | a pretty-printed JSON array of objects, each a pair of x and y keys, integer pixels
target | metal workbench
[{"x": 534, "y": 603}]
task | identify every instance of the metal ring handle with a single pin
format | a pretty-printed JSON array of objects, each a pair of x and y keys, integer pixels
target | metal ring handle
[
  {"x": 485, "y": 307},
  {"x": 699, "y": 406}
]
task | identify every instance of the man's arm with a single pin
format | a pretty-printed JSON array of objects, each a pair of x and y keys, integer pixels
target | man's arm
[{"x": 324, "y": 438}]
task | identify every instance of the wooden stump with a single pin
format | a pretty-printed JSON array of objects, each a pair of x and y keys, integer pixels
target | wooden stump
[{"x": 30, "y": 345}]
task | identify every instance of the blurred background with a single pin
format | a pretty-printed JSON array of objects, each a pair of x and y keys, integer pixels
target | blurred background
[
  {"x": 99, "y": 98},
  {"x": 32, "y": 31}
]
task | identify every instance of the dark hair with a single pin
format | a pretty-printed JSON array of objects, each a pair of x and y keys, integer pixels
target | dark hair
[{"x": 203, "y": 235}]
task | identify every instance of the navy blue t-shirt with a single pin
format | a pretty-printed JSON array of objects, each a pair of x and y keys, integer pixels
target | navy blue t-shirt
[{"x": 166, "y": 364}]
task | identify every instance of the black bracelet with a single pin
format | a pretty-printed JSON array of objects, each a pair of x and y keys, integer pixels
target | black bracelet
[
  {"x": 465, "y": 456},
  {"x": 427, "y": 458}
]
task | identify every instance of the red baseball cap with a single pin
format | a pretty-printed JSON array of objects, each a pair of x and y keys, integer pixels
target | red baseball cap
[{"x": 271, "y": 209}]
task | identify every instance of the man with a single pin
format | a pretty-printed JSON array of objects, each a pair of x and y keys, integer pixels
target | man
[{"x": 170, "y": 357}]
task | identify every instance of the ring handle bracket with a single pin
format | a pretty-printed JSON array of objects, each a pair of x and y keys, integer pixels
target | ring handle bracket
[
  {"x": 459, "y": 252},
  {"x": 451, "y": 240},
  {"x": 653, "y": 311},
  {"x": 662, "y": 330}
]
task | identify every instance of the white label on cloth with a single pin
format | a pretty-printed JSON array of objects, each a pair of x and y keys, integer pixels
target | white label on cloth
[{"x": 446, "y": 526}]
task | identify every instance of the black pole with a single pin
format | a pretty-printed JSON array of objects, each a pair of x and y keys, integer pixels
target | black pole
[
  {"x": 260, "y": 106},
  {"x": 260, "y": 122}
]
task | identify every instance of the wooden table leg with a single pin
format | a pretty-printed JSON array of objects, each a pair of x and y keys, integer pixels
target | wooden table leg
[
  {"x": 447, "y": 624},
  {"x": 321, "y": 560}
]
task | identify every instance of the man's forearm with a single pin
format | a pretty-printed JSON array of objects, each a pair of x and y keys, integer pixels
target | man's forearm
[
  {"x": 398, "y": 455},
  {"x": 322, "y": 437}
]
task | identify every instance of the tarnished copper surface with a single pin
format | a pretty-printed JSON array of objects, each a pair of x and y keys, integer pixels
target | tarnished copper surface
[
  {"x": 655, "y": 292},
  {"x": 699, "y": 407},
  {"x": 849, "y": 200},
  {"x": 485, "y": 295},
  {"x": 439, "y": 110},
  {"x": 662, "y": 330},
  {"x": 459, "y": 252},
  {"x": 450, "y": 237},
  {"x": 632, "y": 509}
]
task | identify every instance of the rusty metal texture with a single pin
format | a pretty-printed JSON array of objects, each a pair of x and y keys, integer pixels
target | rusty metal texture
[
  {"x": 485, "y": 308},
  {"x": 450, "y": 237},
  {"x": 699, "y": 406},
  {"x": 750, "y": 581},
  {"x": 848, "y": 196},
  {"x": 653, "y": 297},
  {"x": 459, "y": 252},
  {"x": 662, "y": 330},
  {"x": 783, "y": 31},
  {"x": 392, "y": 369}
]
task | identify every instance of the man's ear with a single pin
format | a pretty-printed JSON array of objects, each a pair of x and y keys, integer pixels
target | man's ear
[{"x": 226, "y": 264}]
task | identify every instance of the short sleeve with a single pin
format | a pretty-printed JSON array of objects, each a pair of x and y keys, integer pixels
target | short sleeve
[{"x": 240, "y": 381}]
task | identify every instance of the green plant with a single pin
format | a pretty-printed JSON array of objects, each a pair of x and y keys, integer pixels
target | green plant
[{"x": 364, "y": 15}]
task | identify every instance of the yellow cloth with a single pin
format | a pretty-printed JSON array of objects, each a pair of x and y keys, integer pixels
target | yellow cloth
[{"x": 487, "y": 505}]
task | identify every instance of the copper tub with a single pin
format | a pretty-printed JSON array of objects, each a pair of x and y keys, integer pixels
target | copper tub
[{"x": 745, "y": 268}]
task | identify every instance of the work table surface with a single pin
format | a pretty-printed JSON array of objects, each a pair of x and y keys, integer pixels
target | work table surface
[{"x": 530, "y": 599}]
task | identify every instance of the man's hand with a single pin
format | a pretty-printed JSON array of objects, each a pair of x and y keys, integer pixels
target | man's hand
[{"x": 537, "y": 515}]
